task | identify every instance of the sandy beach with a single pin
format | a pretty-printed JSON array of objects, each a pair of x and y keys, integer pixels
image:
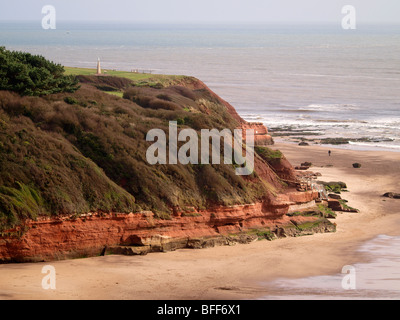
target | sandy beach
[{"x": 235, "y": 272}]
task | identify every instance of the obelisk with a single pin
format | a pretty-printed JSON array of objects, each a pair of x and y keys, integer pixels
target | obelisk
[{"x": 98, "y": 66}]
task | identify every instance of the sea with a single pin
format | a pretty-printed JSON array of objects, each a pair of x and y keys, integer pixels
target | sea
[
  {"x": 320, "y": 79},
  {"x": 315, "y": 78}
]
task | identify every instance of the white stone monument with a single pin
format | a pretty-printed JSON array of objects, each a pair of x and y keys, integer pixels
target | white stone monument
[{"x": 98, "y": 66}]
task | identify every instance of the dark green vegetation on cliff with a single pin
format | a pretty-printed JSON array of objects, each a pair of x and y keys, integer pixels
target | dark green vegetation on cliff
[
  {"x": 85, "y": 151},
  {"x": 32, "y": 75}
]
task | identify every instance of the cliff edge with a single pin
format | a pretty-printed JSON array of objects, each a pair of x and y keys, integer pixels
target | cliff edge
[{"x": 74, "y": 180}]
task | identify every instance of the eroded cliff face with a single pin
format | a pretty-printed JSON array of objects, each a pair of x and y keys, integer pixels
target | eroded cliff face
[
  {"x": 261, "y": 136},
  {"x": 67, "y": 236},
  {"x": 96, "y": 233}
]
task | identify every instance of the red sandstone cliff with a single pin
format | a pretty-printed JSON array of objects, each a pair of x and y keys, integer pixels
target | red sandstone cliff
[{"x": 88, "y": 235}]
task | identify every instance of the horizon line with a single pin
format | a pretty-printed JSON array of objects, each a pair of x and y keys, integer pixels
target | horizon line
[{"x": 283, "y": 23}]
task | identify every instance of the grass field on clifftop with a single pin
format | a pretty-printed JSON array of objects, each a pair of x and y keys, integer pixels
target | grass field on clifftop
[{"x": 135, "y": 77}]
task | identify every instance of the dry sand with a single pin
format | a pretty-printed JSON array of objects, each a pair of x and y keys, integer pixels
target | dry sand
[{"x": 235, "y": 272}]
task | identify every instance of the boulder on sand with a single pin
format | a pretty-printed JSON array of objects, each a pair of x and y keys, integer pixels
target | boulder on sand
[
  {"x": 392, "y": 195},
  {"x": 302, "y": 168}
]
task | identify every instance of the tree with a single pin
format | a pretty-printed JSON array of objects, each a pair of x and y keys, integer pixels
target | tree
[{"x": 33, "y": 75}]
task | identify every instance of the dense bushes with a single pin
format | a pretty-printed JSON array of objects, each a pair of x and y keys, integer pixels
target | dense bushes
[
  {"x": 106, "y": 83},
  {"x": 72, "y": 153},
  {"x": 41, "y": 172},
  {"x": 33, "y": 75},
  {"x": 183, "y": 91},
  {"x": 146, "y": 100}
]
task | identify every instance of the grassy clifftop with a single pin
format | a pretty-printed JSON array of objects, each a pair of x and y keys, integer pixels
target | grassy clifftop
[
  {"x": 73, "y": 153},
  {"x": 136, "y": 78}
]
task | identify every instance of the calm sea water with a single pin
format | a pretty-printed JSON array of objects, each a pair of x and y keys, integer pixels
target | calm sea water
[{"x": 338, "y": 82}]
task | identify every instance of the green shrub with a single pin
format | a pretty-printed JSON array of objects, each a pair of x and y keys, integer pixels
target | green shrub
[
  {"x": 33, "y": 75},
  {"x": 180, "y": 121},
  {"x": 70, "y": 100},
  {"x": 326, "y": 212},
  {"x": 265, "y": 234},
  {"x": 346, "y": 206},
  {"x": 335, "y": 187},
  {"x": 273, "y": 157}
]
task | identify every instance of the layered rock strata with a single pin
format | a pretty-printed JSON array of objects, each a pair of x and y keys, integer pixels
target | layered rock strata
[{"x": 139, "y": 233}]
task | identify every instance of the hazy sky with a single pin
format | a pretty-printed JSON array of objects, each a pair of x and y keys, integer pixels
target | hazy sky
[{"x": 210, "y": 11}]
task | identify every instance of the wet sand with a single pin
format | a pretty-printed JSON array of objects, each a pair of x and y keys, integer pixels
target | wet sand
[{"x": 238, "y": 272}]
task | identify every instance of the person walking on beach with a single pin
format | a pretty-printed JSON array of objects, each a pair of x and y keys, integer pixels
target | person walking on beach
[{"x": 329, "y": 152}]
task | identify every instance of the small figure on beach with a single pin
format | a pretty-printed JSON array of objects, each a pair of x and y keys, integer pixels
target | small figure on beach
[{"x": 329, "y": 152}]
